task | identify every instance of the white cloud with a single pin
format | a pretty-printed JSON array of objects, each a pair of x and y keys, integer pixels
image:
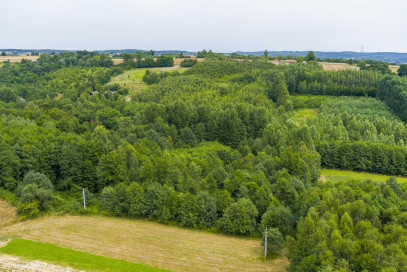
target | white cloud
[{"x": 222, "y": 25}]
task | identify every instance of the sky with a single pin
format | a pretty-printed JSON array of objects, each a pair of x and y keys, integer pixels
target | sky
[{"x": 220, "y": 25}]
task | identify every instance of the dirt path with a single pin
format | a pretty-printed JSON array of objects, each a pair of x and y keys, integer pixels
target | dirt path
[{"x": 16, "y": 264}]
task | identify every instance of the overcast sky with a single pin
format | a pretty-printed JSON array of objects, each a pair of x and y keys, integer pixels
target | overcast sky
[{"x": 220, "y": 25}]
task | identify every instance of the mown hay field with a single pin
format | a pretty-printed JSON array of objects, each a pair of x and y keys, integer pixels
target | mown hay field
[{"x": 149, "y": 243}]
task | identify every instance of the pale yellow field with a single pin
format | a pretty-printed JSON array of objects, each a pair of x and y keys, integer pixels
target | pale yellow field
[
  {"x": 17, "y": 58},
  {"x": 394, "y": 68},
  {"x": 149, "y": 243},
  {"x": 329, "y": 66}
]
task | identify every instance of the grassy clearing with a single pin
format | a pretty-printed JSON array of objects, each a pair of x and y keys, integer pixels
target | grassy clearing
[
  {"x": 335, "y": 175},
  {"x": 149, "y": 243},
  {"x": 133, "y": 79},
  {"x": 304, "y": 114},
  {"x": 73, "y": 258},
  {"x": 329, "y": 66},
  {"x": 394, "y": 68}
]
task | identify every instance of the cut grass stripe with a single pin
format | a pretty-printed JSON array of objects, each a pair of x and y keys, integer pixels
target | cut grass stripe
[{"x": 69, "y": 257}]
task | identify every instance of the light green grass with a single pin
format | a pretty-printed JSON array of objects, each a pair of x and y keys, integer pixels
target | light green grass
[
  {"x": 335, "y": 175},
  {"x": 304, "y": 114},
  {"x": 69, "y": 257},
  {"x": 133, "y": 79}
]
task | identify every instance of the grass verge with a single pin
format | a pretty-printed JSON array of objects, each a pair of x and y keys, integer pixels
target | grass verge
[{"x": 69, "y": 257}]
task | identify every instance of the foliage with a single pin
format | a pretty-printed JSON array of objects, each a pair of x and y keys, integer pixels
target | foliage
[
  {"x": 188, "y": 62},
  {"x": 239, "y": 218},
  {"x": 402, "y": 71},
  {"x": 354, "y": 227},
  {"x": 275, "y": 242}
]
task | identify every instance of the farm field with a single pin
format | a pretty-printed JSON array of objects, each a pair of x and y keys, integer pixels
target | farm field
[
  {"x": 394, "y": 68},
  {"x": 17, "y": 58},
  {"x": 133, "y": 79},
  {"x": 177, "y": 61},
  {"x": 329, "y": 66},
  {"x": 335, "y": 175},
  {"x": 148, "y": 243},
  {"x": 68, "y": 257}
]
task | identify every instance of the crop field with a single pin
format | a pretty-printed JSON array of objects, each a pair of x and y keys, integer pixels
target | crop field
[
  {"x": 17, "y": 58},
  {"x": 133, "y": 79},
  {"x": 335, "y": 175},
  {"x": 329, "y": 66},
  {"x": 394, "y": 68},
  {"x": 148, "y": 243}
]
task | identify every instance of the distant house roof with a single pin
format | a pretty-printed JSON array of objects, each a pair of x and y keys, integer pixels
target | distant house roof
[{"x": 290, "y": 61}]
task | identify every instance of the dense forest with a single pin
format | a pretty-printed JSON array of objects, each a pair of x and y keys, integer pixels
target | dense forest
[{"x": 217, "y": 147}]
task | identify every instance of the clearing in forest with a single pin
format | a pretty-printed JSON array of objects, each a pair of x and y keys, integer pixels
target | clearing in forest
[
  {"x": 335, "y": 175},
  {"x": 304, "y": 114},
  {"x": 394, "y": 68},
  {"x": 330, "y": 66},
  {"x": 149, "y": 243},
  {"x": 133, "y": 79}
]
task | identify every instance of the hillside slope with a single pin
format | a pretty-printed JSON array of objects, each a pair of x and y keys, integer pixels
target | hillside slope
[{"x": 148, "y": 243}]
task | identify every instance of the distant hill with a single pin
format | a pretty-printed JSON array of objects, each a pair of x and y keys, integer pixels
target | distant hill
[{"x": 395, "y": 57}]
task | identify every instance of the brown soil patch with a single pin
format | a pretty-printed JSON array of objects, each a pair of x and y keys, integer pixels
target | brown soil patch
[{"x": 149, "y": 243}]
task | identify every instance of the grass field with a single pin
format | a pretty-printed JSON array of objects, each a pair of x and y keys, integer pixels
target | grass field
[
  {"x": 17, "y": 58},
  {"x": 148, "y": 243},
  {"x": 69, "y": 257},
  {"x": 304, "y": 114},
  {"x": 394, "y": 68},
  {"x": 335, "y": 175},
  {"x": 133, "y": 79},
  {"x": 330, "y": 66}
]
